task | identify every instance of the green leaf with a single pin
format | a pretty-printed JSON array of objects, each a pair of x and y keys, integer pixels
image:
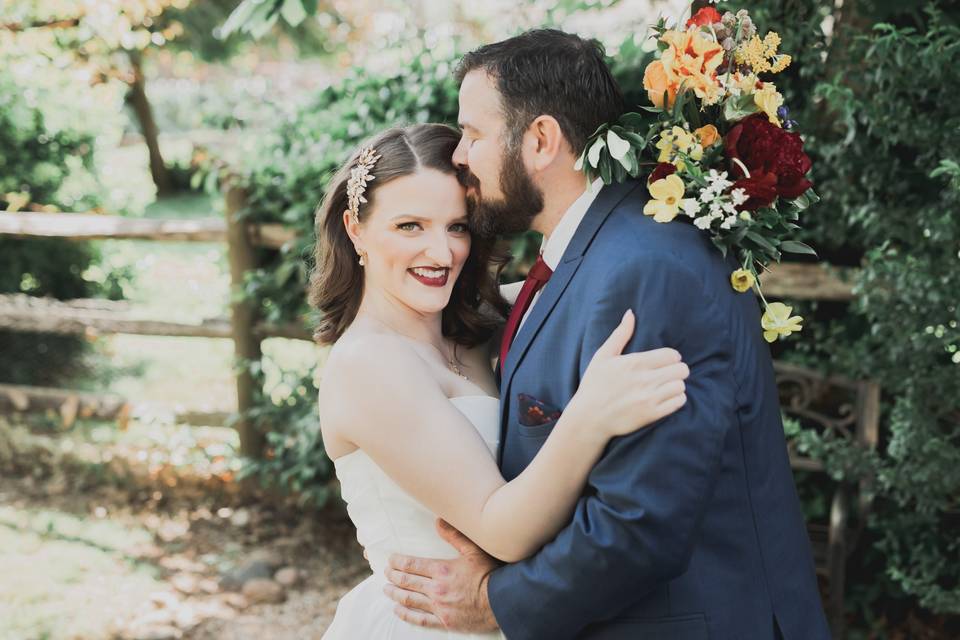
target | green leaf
[
  {"x": 630, "y": 163},
  {"x": 735, "y": 109},
  {"x": 578, "y": 165},
  {"x": 293, "y": 12},
  {"x": 619, "y": 173},
  {"x": 617, "y": 145},
  {"x": 638, "y": 141},
  {"x": 605, "y": 173},
  {"x": 593, "y": 156},
  {"x": 792, "y": 246},
  {"x": 239, "y": 16},
  {"x": 633, "y": 120},
  {"x": 761, "y": 241}
]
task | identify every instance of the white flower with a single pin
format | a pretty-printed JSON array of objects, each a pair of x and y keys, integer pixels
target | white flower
[
  {"x": 730, "y": 208},
  {"x": 728, "y": 222},
  {"x": 717, "y": 177},
  {"x": 707, "y": 195},
  {"x": 739, "y": 196},
  {"x": 690, "y": 207},
  {"x": 703, "y": 222},
  {"x": 716, "y": 209}
]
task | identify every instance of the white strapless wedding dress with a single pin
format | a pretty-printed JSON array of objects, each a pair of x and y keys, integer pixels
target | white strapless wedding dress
[{"x": 388, "y": 520}]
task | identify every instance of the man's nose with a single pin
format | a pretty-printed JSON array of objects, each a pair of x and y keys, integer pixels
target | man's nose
[{"x": 460, "y": 155}]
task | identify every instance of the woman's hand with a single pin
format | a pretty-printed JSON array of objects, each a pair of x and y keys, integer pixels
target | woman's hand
[{"x": 620, "y": 394}]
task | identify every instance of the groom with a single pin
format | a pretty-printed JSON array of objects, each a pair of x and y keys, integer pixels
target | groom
[{"x": 687, "y": 530}]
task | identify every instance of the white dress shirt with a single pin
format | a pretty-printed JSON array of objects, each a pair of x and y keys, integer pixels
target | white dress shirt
[{"x": 556, "y": 244}]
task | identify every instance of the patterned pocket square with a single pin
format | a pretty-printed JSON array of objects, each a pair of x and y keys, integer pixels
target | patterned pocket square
[{"x": 534, "y": 413}]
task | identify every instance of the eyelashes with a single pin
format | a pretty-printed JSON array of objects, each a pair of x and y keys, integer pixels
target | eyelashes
[{"x": 413, "y": 226}]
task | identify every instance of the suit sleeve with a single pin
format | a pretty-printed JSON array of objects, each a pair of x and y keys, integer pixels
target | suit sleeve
[{"x": 637, "y": 523}]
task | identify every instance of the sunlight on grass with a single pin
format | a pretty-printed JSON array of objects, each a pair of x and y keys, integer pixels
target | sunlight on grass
[
  {"x": 179, "y": 373},
  {"x": 67, "y": 577}
]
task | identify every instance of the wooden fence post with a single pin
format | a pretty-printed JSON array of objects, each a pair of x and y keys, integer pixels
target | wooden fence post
[{"x": 243, "y": 318}]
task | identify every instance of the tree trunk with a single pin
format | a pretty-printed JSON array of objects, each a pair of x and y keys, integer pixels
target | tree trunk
[{"x": 137, "y": 96}]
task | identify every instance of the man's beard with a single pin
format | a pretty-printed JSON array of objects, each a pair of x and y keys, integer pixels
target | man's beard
[{"x": 521, "y": 202}]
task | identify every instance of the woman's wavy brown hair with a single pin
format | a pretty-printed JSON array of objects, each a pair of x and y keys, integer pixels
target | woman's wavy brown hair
[{"x": 336, "y": 285}]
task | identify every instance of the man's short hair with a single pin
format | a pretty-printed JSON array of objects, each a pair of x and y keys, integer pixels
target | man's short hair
[{"x": 549, "y": 72}]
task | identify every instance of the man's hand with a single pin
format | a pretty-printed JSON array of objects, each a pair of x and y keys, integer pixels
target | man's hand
[{"x": 444, "y": 594}]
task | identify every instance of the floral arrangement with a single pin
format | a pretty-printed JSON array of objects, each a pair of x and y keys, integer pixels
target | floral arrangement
[{"x": 719, "y": 145}]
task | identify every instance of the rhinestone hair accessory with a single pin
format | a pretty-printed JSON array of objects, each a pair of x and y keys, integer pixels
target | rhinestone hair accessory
[{"x": 359, "y": 177}]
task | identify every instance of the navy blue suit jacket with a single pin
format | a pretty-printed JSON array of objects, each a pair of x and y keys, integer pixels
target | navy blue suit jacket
[{"x": 691, "y": 528}]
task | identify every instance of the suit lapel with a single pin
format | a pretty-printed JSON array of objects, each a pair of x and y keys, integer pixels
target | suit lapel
[{"x": 598, "y": 212}]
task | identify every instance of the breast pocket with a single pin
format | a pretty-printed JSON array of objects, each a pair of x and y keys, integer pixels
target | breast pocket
[
  {"x": 540, "y": 431},
  {"x": 536, "y": 418}
]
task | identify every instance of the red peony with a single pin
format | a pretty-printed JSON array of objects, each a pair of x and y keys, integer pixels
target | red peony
[
  {"x": 661, "y": 171},
  {"x": 707, "y": 15},
  {"x": 774, "y": 158},
  {"x": 761, "y": 190}
]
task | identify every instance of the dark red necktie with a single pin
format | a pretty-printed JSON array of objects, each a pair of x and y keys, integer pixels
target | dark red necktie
[{"x": 537, "y": 277}]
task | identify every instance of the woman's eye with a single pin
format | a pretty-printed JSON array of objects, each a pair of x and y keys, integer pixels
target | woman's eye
[
  {"x": 408, "y": 226},
  {"x": 459, "y": 227}
]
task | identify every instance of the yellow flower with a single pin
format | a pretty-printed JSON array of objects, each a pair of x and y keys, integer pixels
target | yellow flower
[
  {"x": 777, "y": 322},
  {"x": 780, "y": 62},
  {"x": 742, "y": 280},
  {"x": 676, "y": 140},
  {"x": 690, "y": 60},
  {"x": 768, "y": 99},
  {"x": 761, "y": 55},
  {"x": 707, "y": 135},
  {"x": 667, "y": 198},
  {"x": 746, "y": 83}
]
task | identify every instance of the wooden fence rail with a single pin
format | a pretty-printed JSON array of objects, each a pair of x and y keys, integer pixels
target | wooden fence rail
[
  {"x": 88, "y": 226},
  {"x": 93, "y": 317},
  {"x": 21, "y": 313}
]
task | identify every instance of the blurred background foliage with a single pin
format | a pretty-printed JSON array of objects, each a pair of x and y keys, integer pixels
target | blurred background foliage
[{"x": 874, "y": 86}]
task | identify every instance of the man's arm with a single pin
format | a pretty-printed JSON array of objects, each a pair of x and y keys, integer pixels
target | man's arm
[{"x": 637, "y": 529}]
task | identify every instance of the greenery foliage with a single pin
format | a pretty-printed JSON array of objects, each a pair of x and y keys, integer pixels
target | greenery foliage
[
  {"x": 36, "y": 160},
  {"x": 877, "y": 98}
]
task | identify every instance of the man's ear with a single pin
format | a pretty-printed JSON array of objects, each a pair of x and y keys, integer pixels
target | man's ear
[{"x": 545, "y": 142}]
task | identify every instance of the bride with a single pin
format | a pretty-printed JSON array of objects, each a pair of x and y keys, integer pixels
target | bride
[{"x": 408, "y": 401}]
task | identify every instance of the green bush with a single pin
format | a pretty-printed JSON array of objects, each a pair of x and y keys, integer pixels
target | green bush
[
  {"x": 37, "y": 160},
  {"x": 877, "y": 102}
]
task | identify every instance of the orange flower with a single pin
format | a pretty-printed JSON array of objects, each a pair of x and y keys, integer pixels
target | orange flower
[
  {"x": 707, "y": 135},
  {"x": 691, "y": 60},
  {"x": 656, "y": 82}
]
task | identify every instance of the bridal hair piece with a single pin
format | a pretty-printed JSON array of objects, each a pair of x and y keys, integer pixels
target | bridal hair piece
[{"x": 357, "y": 184}]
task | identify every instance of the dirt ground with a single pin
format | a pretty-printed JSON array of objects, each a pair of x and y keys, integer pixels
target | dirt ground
[{"x": 107, "y": 563}]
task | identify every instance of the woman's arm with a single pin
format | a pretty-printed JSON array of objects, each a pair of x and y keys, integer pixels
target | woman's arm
[{"x": 419, "y": 438}]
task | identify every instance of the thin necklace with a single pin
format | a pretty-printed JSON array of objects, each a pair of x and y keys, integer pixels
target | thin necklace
[{"x": 451, "y": 361}]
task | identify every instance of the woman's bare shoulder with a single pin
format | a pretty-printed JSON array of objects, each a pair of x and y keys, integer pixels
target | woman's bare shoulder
[{"x": 366, "y": 355}]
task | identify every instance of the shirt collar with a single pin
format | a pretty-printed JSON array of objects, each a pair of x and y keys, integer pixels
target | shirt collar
[{"x": 554, "y": 247}]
